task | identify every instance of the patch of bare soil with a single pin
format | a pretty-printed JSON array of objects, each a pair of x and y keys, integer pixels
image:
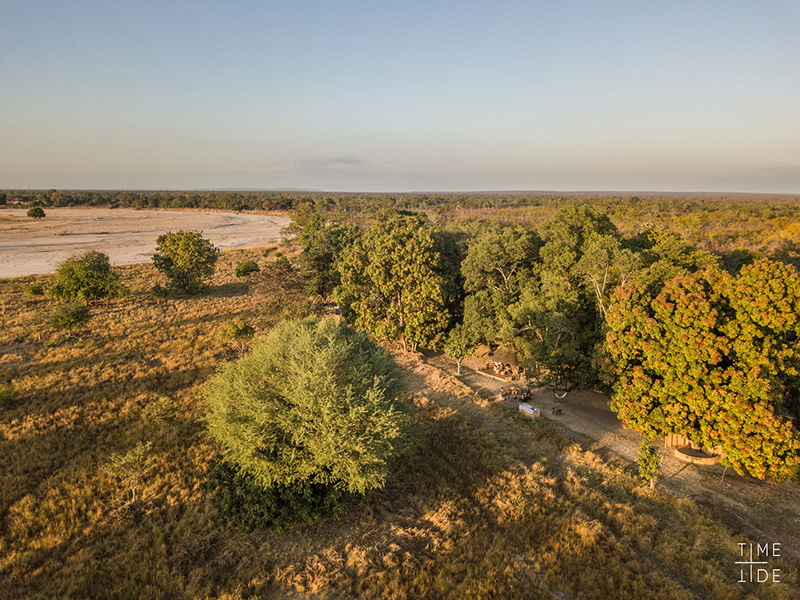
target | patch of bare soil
[
  {"x": 31, "y": 246},
  {"x": 765, "y": 511}
]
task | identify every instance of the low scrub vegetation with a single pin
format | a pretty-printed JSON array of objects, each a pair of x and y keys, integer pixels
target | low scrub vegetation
[
  {"x": 70, "y": 316},
  {"x": 36, "y": 212},
  {"x": 246, "y": 267}
]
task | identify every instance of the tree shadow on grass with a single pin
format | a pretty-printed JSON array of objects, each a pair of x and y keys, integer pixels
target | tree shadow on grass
[
  {"x": 228, "y": 290},
  {"x": 57, "y": 396}
]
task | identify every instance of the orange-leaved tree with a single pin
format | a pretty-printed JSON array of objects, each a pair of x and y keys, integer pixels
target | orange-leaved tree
[{"x": 715, "y": 358}]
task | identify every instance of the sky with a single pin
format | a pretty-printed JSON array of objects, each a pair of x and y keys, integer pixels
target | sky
[{"x": 377, "y": 96}]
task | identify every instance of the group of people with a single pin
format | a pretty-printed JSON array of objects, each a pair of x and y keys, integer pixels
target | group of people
[
  {"x": 520, "y": 395},
  {"x": 505, "y": 370}
]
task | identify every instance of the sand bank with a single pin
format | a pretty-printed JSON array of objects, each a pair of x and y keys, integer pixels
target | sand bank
[{"x": 29, "y": 246}]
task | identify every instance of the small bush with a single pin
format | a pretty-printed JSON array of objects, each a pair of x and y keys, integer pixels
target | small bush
[
  {"x": 36, "y": 212},
  {"x": 130, "y": 467},
  {"x": 34, "y": 289},
  {"x": 162, "y": 412},
  {"x": 159, "y": 291},
  {"x": 70, "y": 316},
  {"x": 244, "y": 268},
  {"x": 649, "y": 462},
  {"x": 281, "y": 261},
  {"x": 237, "y": 331},
  {"x": 243, "y": 499}
]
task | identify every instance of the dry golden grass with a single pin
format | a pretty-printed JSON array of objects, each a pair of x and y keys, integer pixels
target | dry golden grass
[{"x": 483, "y": 505}]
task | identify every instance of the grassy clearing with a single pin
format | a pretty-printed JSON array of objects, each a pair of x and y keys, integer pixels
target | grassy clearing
[{"x": 484, "y": 505}]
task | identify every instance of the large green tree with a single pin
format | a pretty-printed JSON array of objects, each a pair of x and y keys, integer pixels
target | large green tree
[
  {"x": 186, "y": 258},
  {"x": 499, "y": 262},
  {"x": 558, "y": 318},
  {"x": 397, "y": 283},
  {"x": 86, "y": 277},
  {"x": 715, "y": 358},
  {"x": 319, "y": 261},
  {"x": 314, "y": 403}
]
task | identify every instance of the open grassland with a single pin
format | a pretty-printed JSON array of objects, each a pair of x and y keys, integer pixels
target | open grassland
[{"x": 483, "y": 505}]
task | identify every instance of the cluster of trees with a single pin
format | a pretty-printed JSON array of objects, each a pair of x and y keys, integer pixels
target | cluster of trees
[
  {"x": 584, "y": 305},
  {"x": 217, "y": 200},
  {"x": 185, "y": 257}
]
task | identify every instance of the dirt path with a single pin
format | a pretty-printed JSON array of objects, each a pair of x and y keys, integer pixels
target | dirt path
[
  {"x": 30, "y": 246},
  {"x": 768, "y": 512}
]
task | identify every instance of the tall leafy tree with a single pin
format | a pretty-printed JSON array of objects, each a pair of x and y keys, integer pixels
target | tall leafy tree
[
  {"x": 664, "y": 255},
  {"x": 396, "y": 282},
  {"x": 186, "y": 258},
  {"x": 715, "y": 358},
  {"x": 557, "y": 320},
  {"x": 498, "y": 264},
  {"x": 320, "y": 257},
  {"x": 314, "y": 403}
]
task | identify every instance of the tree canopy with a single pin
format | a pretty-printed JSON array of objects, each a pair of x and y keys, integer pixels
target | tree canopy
[
  {"x": 558, "y": 318},
  {"x": 714, "y": 357},
  {"x": 397, "y": 283},
  {"x": 86, "y": 277},
  {"x": 322, "y": 250},
  {"x": 315, "y": 402},
  {"x": 499, "y": 262},
  {"x": 185, "y": 257}
]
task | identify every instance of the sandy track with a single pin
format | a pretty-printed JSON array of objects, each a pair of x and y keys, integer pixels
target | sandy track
[{"x": 29, "y": 246}]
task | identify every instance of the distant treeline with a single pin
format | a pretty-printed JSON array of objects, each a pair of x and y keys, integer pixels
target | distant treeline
[{"x": 721, "y": 223}]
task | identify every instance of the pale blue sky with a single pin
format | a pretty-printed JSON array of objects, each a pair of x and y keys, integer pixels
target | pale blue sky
[{"x": 403, "y": 96}]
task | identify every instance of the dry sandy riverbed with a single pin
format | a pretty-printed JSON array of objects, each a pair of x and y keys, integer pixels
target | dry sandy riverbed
[{"x": 32, "y": 246}]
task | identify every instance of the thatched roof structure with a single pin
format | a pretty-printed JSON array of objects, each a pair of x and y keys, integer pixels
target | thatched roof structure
[{"x": 505, "y": 355}]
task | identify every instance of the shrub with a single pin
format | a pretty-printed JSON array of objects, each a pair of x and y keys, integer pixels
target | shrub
[
  {"x": 34, "y": 289},
  {"x": 87, "y": 277},
  {"x": 185, "y": 257},
  {"x": 162, "y": 412},
  {"x": 314, "y": 404},
  {"x": 649, "y": 462},
  {"x": 244, "y": 268},
  {"x": 70, "y": 316},
  {"x": 130, "y": 467},
  {"x": 237, "y": 331},
  {"x": 281, "y": 261},
  {"x": 36, "y": 212}
]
